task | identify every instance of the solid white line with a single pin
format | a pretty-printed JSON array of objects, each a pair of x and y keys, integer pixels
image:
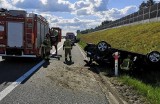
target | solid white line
[
  {"x": 58, "y": 49},
  {"x": 82, "y": 52},
  {"x": 12, "y": 86},
  {"x": 7, "y": 90}
]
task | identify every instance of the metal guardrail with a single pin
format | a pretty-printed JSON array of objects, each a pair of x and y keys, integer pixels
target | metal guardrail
[{"x": 145, "y": 15}]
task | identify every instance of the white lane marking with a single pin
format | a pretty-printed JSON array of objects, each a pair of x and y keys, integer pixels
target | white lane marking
[
  {"x": 1, "y": 58},
  {"x": 82, "y": 52},
  {"x": 12, "y": 86},
  {"x": 58, "y": 49},
  {"x": 7, "y": 90}
]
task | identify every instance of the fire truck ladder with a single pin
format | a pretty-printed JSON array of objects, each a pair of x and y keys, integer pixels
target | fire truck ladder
[{"x": 29, "y": 32}]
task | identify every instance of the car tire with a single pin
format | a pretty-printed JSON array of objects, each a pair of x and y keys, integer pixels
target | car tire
[
  {"x": 102, "y": 46},
  {"x": 153, "y": 57}
]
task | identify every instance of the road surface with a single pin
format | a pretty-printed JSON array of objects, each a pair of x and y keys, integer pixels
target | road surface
[{"x": 50, "y": 82}]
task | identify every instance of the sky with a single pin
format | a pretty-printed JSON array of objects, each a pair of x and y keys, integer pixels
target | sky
[{"x": 73, "y": 15}]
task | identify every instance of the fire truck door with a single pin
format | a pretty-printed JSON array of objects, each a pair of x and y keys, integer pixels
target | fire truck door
[{"x": 15, "y": 34}]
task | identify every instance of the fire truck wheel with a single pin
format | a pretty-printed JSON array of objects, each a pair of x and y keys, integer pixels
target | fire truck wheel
[{"x": 153, "y": 56}]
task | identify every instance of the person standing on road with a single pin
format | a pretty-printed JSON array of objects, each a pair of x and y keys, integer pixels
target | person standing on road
[
  {"x": 47, "y": 46},
  {"x": 54, "y": 38},
  {"x": 67, "y": 46}
]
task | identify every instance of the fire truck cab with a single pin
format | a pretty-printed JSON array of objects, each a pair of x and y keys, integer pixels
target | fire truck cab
[
  {"x": 21, "y": 33},
  {"x": 58, "y": 33}
]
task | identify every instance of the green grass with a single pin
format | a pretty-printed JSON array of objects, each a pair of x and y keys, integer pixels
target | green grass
[
  {"x": 142, "y": 38},
  {"x": 82, "y": 43},
  {"x": 151, "y": 93}
]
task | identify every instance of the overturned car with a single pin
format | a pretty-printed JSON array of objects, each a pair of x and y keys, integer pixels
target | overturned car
[{"x": 102, "y": 53}]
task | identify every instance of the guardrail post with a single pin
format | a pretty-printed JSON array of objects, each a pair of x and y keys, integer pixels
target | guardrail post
[{"x": 116, "y": 56}]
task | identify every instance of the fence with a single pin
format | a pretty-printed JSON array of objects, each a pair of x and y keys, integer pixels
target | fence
[{"x": 149, "y": 14}]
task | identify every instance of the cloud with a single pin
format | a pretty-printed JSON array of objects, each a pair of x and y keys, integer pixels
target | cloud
[
  {"x": 100, "y": 5},
  {"x": 83, "y": 11},
  {"x": 81, "y": 4},
  {"x": 44, "y": 5},
  {"x": 44, "y": 2},
  {"x": 89, "y": 7},
  {"x": 28, "y": 4},
  {"x": 114, "y": 13},
  {"x": 81, "y": 7},
  {"x": 6, "y": 4},
  {"x": 52, "y": 19},
  {"x": 157, "y": 1},
  {"x": 57, "y": 6}
]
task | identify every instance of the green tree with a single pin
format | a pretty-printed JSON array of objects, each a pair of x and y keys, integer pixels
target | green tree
[
  {"x": 105, "y": 22},
  {"x": 150, "y": 3},
  {"x": 78, "y": 31},
  {"x": 143, "y": 5}
]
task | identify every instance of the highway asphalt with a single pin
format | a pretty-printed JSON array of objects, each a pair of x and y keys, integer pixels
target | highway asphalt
[{"x": 38, "y": 88}]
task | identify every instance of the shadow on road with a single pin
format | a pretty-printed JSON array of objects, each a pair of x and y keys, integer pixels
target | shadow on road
[
  {"x": 52, "y": 57},
  {"x": 68, "y": 62},
  {"x": 55, "y": 56},
  {"x": 45, "y": 65},
  {"x": 13, "y": 68}
]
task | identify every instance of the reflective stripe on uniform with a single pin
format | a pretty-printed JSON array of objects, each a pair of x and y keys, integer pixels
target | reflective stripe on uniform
[
  {"x": 67, "y": 44},
  {"x": 126, "y": 64}
]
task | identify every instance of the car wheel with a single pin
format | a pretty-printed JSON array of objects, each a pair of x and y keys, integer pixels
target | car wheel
[
  {"x": 154, "y": 56},
  {"x": 103, "y": 46}
]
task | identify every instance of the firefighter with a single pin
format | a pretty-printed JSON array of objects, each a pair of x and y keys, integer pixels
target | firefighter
[
  {"x": 67, "y": 47},
  {"x": 47, "y": 46},
  {"x": 54, "y": 39},
  {"x": 127, "y": 63}
]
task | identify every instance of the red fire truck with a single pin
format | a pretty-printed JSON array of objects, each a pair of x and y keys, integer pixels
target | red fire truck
[{"x": 21, "y": 33}]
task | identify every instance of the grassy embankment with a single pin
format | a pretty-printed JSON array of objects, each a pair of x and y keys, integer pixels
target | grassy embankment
[{"x": 142, "y": 38}]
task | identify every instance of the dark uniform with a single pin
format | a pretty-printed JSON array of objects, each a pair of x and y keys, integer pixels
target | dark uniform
[
  {"x": 67, "y": 47},
  {"x": 54, "y": 39},
  {"x": 47, "y": 46}
]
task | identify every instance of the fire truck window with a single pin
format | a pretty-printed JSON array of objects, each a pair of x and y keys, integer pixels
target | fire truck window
[{"x": 1, "y": 28}]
